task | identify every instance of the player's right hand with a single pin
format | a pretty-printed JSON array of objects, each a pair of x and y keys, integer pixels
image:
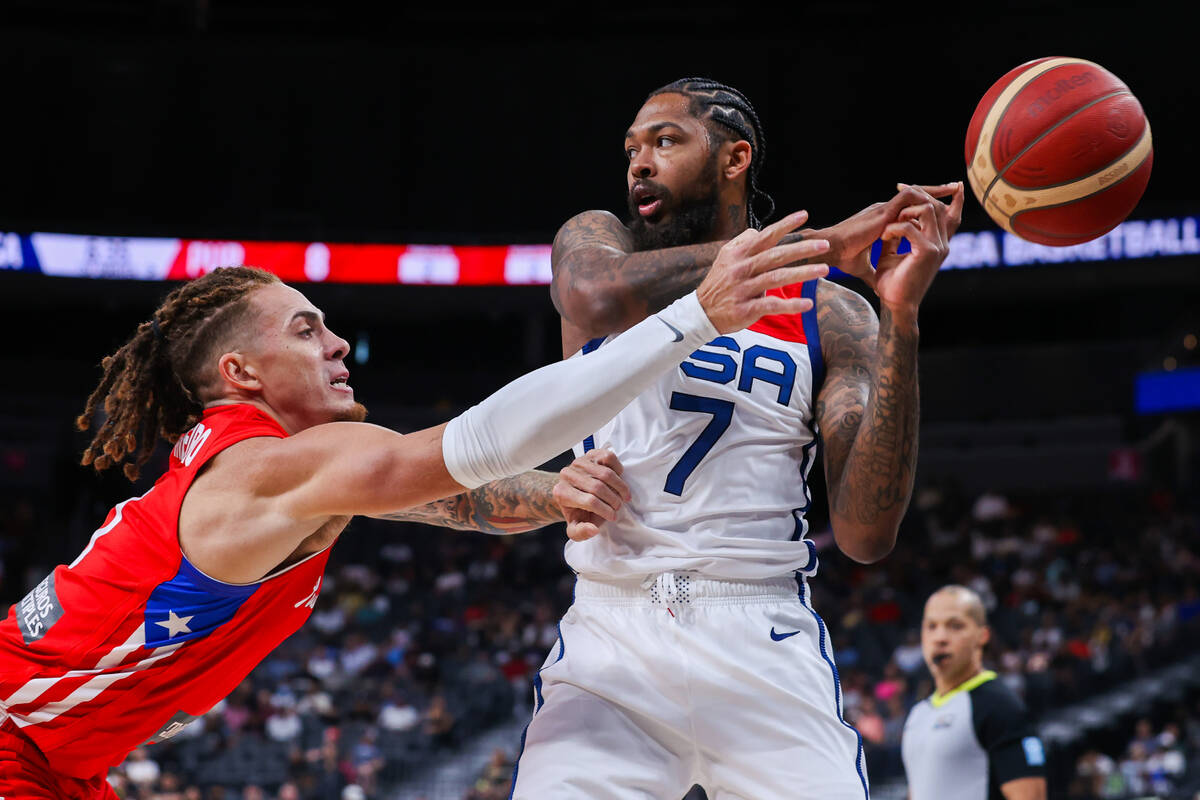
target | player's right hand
[
  {"x": 733, "y": 294},
  {"x": 590, "y": 491}
]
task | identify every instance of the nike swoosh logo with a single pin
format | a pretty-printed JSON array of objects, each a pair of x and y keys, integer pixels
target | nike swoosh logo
[
  {"x": 779, "y": 637},
  {"x": 678, "y": 333}
]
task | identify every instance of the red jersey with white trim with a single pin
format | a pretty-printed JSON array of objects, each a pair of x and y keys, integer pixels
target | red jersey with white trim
[{"x": 130, "y": 642}]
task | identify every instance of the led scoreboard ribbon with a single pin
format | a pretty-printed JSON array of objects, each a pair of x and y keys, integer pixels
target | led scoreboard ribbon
[{"x": 143, "y": 258}]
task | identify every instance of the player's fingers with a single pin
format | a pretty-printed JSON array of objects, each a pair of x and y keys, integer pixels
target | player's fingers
[
  {"x": 910, "y": 214},
  {"x": 582, "y": 525},
  {"x": 773, "y": 233},
  {"x": 933, "y": 190},
  {"x": 581, "y": 531},
  {"x": 607, "y": 458},
  {"x": 787, "y": 254},
  {"x": 954, "y": 217},
  {"x": 925, "y": 216},
  {"x": 567, "y": 496},
  {"x": 743, "y": 242},
  {"x": 609, "y": 477},
  {"x": 786, "y": 276},
  {"x": 607, "y": 485},
  {"x": 583, "y": 480},
  {"x": 900, "y": 230},
  {"x": 773, "y": 304}
]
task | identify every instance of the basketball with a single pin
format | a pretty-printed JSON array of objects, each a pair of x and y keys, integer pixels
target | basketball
[{"x": 1059, "y": 151}]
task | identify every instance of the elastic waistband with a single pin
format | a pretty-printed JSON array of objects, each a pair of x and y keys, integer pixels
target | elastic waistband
[{"x": 684, "y": 588}]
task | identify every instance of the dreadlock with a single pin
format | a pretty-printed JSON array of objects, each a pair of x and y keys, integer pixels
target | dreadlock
[
  {"x": 728, "y": 114},
  {"x": 149, "y": 386}
]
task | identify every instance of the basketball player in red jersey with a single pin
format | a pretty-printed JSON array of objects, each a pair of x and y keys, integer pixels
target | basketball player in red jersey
[{"x": 183, "y": 590}]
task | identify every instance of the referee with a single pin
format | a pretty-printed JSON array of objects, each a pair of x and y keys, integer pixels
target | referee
[{"x": 973, "y": 739}]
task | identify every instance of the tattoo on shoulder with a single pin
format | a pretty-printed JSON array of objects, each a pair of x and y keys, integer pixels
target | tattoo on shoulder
[{"x": 589, "y": 229}]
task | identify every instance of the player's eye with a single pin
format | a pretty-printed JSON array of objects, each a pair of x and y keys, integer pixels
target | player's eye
[
  {"x": 630, "y": 152},
  {"x": 664, "y": 141}
]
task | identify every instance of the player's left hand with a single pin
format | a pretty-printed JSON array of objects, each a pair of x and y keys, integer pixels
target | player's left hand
[
  {"x": 902, "y": 279},
  {"x": 851, "y": 240},
  {"x": 590, "y": 491}
]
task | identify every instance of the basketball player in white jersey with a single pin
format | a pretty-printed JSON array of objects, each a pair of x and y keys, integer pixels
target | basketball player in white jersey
[{"x": 692, "y": 653}]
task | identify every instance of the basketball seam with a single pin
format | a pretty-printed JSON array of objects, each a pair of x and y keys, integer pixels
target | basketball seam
[
  {"x": 1047, "y": 132},
  {"x": 1114, "y": 184},
  {"x": 979, "y": 148},
  {"x": 1081, "y": 178}
]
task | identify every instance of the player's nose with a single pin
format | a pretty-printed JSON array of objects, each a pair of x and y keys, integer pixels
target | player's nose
[
  {"x": 340, "y": 347},
  {"x": 642, "y": 164}
]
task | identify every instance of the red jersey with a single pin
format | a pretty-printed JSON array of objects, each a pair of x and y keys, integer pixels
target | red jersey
[{"x": 130, "y": 642}]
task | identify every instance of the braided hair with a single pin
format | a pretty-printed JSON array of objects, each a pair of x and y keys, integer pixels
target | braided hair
[
  {"x": 728, "y": 116},
  {"x": 150, "y": 385}
]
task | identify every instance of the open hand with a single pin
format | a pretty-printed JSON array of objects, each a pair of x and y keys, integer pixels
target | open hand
[{"x": 733, "y": 294}]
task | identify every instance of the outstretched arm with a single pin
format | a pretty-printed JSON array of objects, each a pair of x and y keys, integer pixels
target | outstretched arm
[
  {"x": 588, "y": 489},
  {"x": 601, "y": 285},
  {"x": 267, "y": 495}
]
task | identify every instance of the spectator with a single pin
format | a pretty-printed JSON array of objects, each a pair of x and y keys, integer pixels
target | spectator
[
  {"x": 141, "y": 770},
  {"x": 284, "y": 724},
  {"x": 439, "y": 722}
]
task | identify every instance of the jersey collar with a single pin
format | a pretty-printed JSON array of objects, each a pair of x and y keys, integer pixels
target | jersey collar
[{"x": 939, "y": 700}]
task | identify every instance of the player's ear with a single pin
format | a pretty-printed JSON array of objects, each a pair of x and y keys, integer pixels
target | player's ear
[
  {"x": 239, "y": 372},
  {"x": 735, "y": 158},
  {"x": 985, "y": 636}
]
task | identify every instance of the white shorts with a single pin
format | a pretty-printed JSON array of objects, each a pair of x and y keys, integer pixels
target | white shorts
[{"x": 659, "y": 685}]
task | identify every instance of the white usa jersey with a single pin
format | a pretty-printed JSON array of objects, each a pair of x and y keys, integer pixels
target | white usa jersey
[{"x": 717, "y": 455}]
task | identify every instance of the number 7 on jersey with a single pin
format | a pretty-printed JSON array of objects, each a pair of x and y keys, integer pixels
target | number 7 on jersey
[{"x": 722, "y": 415}]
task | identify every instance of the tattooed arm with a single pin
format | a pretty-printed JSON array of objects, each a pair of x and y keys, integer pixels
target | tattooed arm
[
  {"x": 512, "y": 505},
  {"x": 588, "y": 491},
  {"x": 867, "y": 411},
  {"x": 868, "y": 407},
  {"x": 601, "y": 286}
]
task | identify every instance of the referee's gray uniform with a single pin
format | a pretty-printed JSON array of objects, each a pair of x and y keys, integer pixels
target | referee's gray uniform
[{"x": 970, "y": 742}]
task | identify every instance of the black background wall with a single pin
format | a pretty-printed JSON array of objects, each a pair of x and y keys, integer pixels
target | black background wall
[{"x": 341, "y": 121}]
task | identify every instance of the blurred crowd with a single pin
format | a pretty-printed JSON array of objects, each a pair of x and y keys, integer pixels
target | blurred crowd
[
  {"x": 423, "y": 637},
  {"x": 1153, "y": 762}
]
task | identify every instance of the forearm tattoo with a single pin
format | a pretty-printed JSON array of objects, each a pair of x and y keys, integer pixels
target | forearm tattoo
[
  {"x": 510, "y": 505},
  {"x": 868, "y": 410}
]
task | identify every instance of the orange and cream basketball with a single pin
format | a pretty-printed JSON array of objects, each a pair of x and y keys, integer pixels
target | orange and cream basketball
[{"x": 1059, "y": 151}]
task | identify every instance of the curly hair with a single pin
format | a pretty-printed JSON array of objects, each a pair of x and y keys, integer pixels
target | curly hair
[{"x": 150, "y": 385}]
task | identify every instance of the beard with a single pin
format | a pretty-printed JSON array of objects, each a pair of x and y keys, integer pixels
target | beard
[
  {"x": 692, "y": 218},
  {"x": 356, "y": 413}
]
